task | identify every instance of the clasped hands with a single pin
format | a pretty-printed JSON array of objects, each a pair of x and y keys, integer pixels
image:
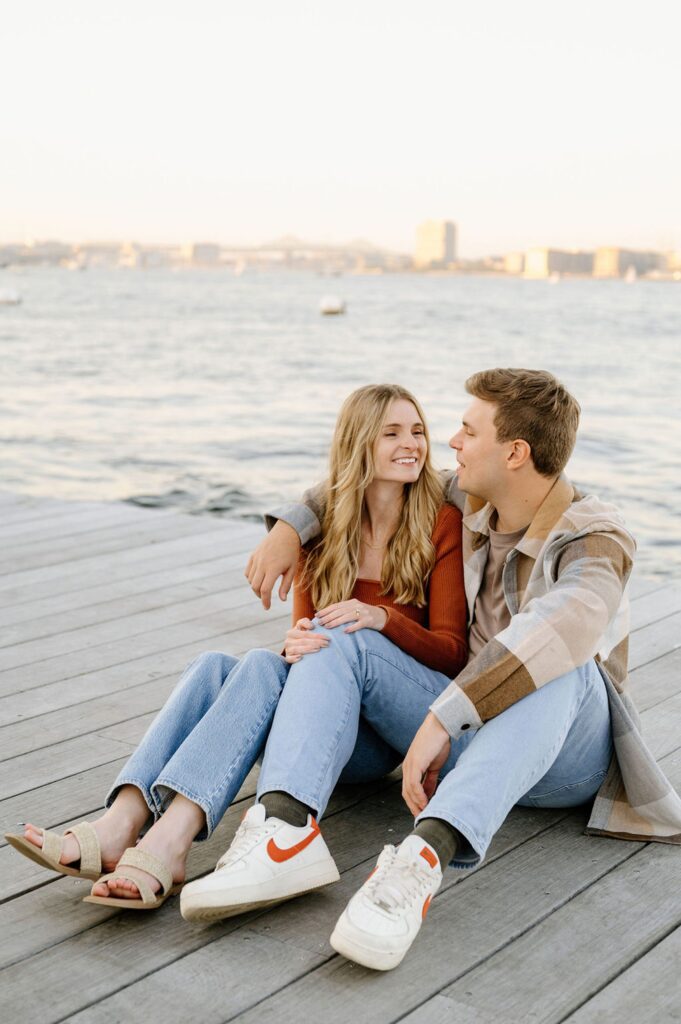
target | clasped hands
[
  {"x": 276, "y": 557},
  {"x": 301, "y": 638}
]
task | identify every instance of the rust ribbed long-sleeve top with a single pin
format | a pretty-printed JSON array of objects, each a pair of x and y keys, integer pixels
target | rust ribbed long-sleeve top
[{"x": 436, "y": 634}]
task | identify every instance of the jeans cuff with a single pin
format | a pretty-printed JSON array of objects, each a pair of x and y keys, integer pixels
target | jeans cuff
[
  {"x": 304, "y": 798},
  {"x": 164, "y": 791},
  {"x": 144, "y": 790},
  {"x": 474, "y": 850}
]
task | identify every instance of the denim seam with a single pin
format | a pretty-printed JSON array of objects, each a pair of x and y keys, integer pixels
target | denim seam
[
  {"x": 400, "y": 668},
  {"x": 550, "y": 757},
  {"x": 571, "y": 785},
  {"x": 229, "y": 771},
  {"x": 323, "y": 773}
]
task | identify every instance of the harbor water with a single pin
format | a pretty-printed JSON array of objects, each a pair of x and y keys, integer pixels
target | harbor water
[{"x": 218, "y": 393}]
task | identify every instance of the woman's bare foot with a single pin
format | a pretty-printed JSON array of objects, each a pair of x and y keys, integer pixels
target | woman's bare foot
[
  {"x": 170, "y": 840},
  {"x": 117, "y": 829},
  {"x": 113, "y": 839}
]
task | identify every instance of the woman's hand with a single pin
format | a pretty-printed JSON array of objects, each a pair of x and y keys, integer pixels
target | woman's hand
[
  {"x": 301, "y": 640},
  {"x": 362, "y": 616}
]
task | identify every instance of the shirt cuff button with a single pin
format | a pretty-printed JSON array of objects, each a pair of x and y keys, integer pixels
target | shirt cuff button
[{"x": 466, "y": 725}]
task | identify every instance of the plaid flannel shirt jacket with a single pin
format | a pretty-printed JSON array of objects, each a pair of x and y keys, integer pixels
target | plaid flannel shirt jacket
[{"x": 564, "y": 584}]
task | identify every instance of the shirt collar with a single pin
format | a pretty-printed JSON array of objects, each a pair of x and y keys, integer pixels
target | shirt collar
[{"x": 559, "y": 498}]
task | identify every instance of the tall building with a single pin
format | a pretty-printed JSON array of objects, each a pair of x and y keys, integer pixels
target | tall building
[{"x": 435, "y": 244}]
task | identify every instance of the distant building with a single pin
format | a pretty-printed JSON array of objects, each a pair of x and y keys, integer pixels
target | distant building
[
  {"x": 205, "y": 254},
  {"x": 514, "y": 262},
  {"x": 99, "y": 254},
  {"x": 435, "y": 244},
  {"x": 611, "y": 261},
  {"x": 672, "y": 262},
  {"x": 541, "y": 262}
]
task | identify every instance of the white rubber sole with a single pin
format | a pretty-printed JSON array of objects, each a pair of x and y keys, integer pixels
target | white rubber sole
[
  {"x": 212, "y": 906},
  {"x": 348, "y": 946}
]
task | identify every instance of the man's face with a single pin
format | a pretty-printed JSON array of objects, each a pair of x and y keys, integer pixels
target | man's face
[{"x": 481, "y": 458}]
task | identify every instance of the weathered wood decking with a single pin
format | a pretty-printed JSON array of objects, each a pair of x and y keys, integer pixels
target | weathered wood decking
[{"x": 101, "y": 606}]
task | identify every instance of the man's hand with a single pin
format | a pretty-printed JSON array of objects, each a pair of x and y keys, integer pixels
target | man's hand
[
  {"x": 428, "y": 752},
  {"x": 275, "y": 556}
]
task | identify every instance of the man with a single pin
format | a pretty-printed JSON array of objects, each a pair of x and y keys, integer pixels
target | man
[{"x": 540, "y": 715}]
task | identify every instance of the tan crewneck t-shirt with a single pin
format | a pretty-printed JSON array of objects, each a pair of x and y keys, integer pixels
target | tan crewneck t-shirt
[{"x": 491, "y": 613}]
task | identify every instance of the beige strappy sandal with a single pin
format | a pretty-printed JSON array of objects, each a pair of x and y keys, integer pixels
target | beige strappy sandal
[
  {"x": 47, "y": 855},
  {"x": 136, "y": 858}
]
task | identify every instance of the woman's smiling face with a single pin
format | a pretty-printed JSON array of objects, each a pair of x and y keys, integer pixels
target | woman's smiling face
[{"x": 400, "y": 449}]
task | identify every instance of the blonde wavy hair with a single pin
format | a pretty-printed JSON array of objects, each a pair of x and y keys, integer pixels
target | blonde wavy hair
[{"x": 332, "y": 565}]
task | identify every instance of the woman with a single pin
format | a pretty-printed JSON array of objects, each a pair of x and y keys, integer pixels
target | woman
[{"x": 376, "y": 567}]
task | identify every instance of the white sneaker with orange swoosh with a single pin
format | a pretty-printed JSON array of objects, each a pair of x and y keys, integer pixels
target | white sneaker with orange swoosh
[
  {"x": 268, "y": 861},
  {"x": 383, "y": 918}
]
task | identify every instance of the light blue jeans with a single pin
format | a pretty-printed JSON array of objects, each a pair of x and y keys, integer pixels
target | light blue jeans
[
  {"x": 213, "y": 728},
  {"x": 208, "y": 735},
  {"x": 550, "y": 749}
]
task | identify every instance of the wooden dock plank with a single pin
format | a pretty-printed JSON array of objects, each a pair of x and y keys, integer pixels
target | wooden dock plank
[
  {"x": 221, "y": 599},
  {"x": 173, "y": 537},
  {"x": 362, "y": 828},
  {"x": 648, "y": 990},
  {"x": 122, "y": 674},
  {"x": 655, "y": 606},
  {"x": 580, "y": 947},
  {"x": 123, "y": 650},
  {"x": 100, "y": 611},
  {"x": 46, "y": 554},
  {"x": 70, "y": 523},
  {"x": 655, "y": 640},
  {"x": 74, "y": 609}
]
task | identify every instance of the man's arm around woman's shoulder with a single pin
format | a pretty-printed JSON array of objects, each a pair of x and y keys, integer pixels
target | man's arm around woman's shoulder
[{"x": 290, "y": 526}]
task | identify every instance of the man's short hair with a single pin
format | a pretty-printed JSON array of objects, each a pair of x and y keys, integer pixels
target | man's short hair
[{"x": 533, "y": 406}]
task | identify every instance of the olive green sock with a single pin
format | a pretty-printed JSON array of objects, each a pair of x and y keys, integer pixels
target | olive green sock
[
  {"x": 442, "y": 836},
  {"x": 284, "y": 806}
]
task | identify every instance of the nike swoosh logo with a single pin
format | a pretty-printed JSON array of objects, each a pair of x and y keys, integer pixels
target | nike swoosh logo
[{"x": 279, "y": 855}]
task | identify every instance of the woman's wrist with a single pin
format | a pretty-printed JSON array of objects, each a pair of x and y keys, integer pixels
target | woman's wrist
[{"x": 381, "y": 617}]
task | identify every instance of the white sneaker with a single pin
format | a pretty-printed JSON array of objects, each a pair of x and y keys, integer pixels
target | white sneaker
[
  {"x": 268, "y": 861},
  {"x": 383, "y": 918}
]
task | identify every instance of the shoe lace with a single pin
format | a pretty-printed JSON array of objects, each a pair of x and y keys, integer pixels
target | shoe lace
[
  {"x": 246, "y": 837},
  {"x": 396, "y": 884}
]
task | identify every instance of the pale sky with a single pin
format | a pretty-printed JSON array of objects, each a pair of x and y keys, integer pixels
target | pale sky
[{"x": 527, "y": 123}]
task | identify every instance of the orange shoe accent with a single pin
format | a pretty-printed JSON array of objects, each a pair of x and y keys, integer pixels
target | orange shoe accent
[
  {"x": 372, "y": 873},
  {"x": 430, "y": 857},
  {"x": 426, "y": 907},
  {"x": 279, "y": 855}
]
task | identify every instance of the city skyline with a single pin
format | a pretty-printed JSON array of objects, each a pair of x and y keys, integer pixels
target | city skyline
[
  {"x": 434, "y": 251},
  {"x": 161, "y": 123}
]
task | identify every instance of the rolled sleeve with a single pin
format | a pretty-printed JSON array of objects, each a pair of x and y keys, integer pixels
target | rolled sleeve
[
  {"x": 300, "y": 517},
  {"x": 455, "y": 711}
]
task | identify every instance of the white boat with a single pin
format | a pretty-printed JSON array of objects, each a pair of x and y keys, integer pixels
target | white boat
[
  {"x": 9, "y": 297},
  {"x": 331, "y": 305}
]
